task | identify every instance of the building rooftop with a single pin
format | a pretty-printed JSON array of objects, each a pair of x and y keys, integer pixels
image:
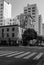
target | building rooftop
[
  {"x": 7, "y": 2},
  {"x": 12, "y": 26}
]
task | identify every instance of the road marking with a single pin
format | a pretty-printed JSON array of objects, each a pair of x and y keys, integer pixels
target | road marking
[
  {"x": 3, "y": 54},
  {"x": 38, "y": 56},
  {"x": 27, "y": 57},
  {"x": 15, "y": 54},
  {"x": 19, "y": 56},
  {"x": 4, "y": 51}
]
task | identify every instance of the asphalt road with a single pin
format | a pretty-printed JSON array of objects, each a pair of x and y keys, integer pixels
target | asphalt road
[{"x": 21, "y": 55}]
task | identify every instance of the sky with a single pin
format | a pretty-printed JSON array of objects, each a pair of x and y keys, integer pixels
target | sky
[{"x": 18, "y": 6}]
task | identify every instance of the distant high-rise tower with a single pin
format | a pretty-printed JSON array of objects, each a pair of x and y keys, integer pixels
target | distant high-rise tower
[
  {"x": 43, "y": 29},
  {"x": 5, "y": 11}
]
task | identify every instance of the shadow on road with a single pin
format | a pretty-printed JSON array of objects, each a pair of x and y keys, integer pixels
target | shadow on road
[
  {"x": 41, "y": 62},
  {"x": 24, "y": 62}
]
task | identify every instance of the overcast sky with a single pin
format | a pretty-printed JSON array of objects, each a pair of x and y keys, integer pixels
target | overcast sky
[{"x": 18, "y": 5}]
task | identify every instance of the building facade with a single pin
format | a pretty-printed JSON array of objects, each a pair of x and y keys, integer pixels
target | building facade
[
  {"x": 21, "y": 18},
  {"x": 31, "y": 10},
  {"x": 40, "y": 24},
  {"x": 11, "y": 32},
  {"x": 43, "y": 29},
  {"x": 11, "y": 21},
  {"x": 5, "y": 11}
]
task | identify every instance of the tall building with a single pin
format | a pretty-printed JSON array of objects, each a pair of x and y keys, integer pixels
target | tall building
[
  {"x": 40, "y": 24},
  {"x": 43, "y": 29},
  {"x": 31, "y": 10},
  {"x": 5, "y": 11}
]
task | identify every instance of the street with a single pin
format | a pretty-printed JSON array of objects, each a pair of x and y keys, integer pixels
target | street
[{"x": 21, "y": 55}]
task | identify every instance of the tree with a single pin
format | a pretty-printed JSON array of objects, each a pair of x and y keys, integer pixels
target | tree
[{"x": 28, "y": 35}]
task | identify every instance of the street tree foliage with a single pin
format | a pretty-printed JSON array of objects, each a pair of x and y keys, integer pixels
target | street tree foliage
[{"x": 28, "y": 35}]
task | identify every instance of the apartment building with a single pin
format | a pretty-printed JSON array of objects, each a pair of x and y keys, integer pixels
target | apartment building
[
  {"x": 5, "y": 11},
  {"x": 32, "y": 13}
]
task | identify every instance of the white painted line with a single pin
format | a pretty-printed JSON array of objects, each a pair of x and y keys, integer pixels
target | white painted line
[
  {"x": 3, "y": 54},
  {"x": 5, "y": 51},
  {"x": 19, "y": 56},
  {"x": 38, "y": 56},
  {"x": 27, "y": 57},
  {"x": 15, "y": 54}
]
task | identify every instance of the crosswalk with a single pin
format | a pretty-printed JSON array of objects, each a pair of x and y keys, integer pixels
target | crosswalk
[
  {"x": 22, "y": 54},
  {"x": 27, "y": 57},
  {"x": 19, "y": 56},
  {"x": 38, "y": 56}
]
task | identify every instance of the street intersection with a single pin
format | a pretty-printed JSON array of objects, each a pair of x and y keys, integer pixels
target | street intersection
[{"x": 21, "y": 55}]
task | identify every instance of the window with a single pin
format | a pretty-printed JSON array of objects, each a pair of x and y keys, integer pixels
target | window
[
  {"x": 1, "y": 20},
  {"x": 12, "y": 34},
  {"x": 29, "y": 11},
  {"x": 10, "y": 20},
  {"x": 33, "y": 16},
  {"x": 1, "y": 4},
  {"x": 1, "y": 8},
  {"x": 33, "y": 10},
  {"x": 12, "y": 29},
  {"x": 29, "y": 8},
  {"x": 2, "y": 30},
  {"x": 1, "y": 24},
  {"x": 7, "y": 34},
  {"x": 7, "y": 29},
  {"x": 25, "y": 10},
  {"x": 33, "y": 7},
  {"x": 33, "y": 13}
]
